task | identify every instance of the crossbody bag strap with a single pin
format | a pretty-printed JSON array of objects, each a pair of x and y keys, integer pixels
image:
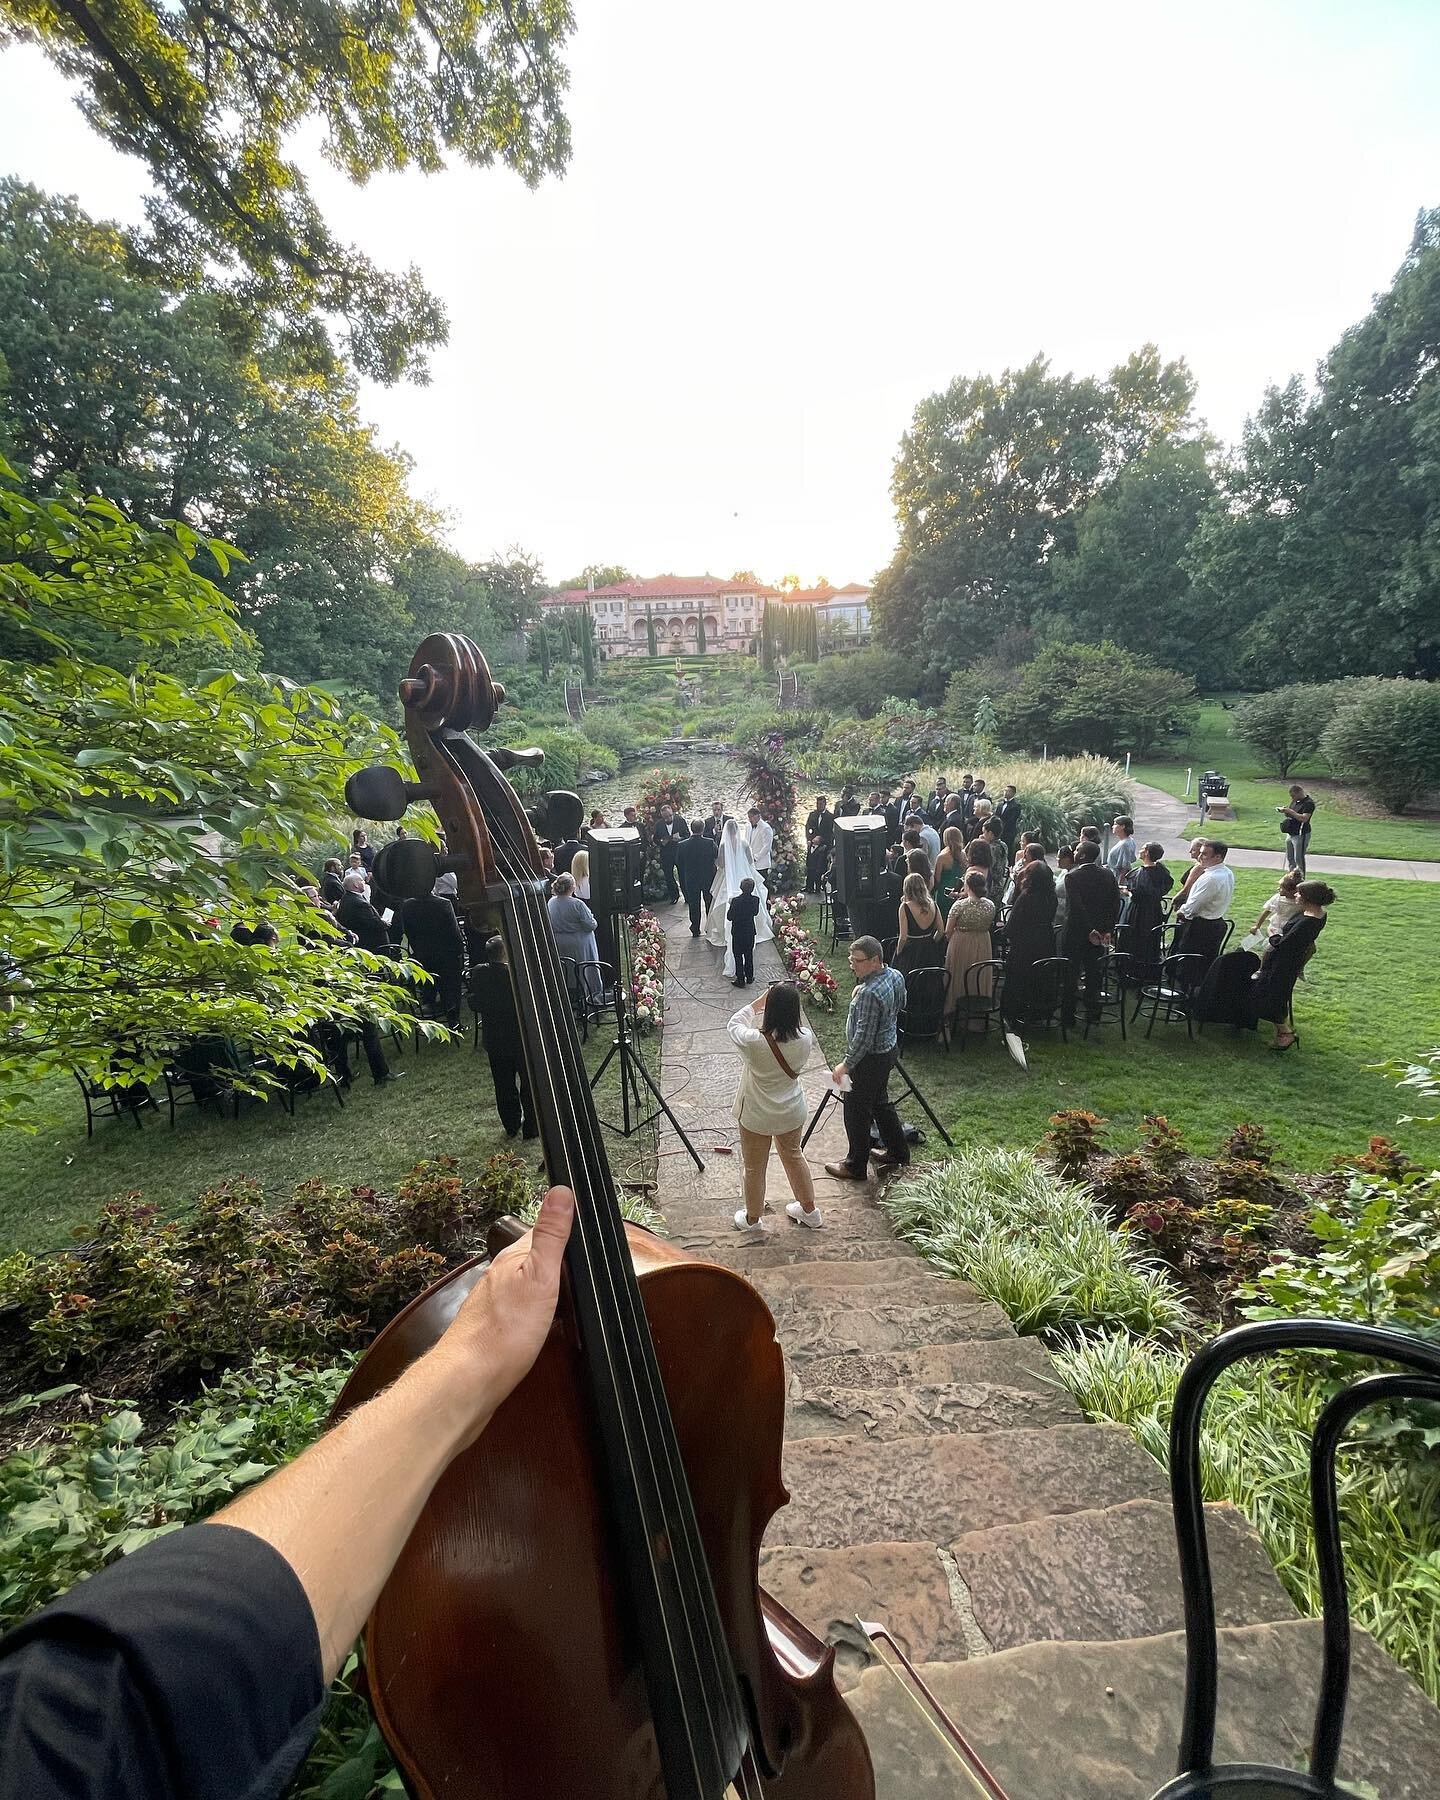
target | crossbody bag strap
[{"x": 775, "y": 1052}]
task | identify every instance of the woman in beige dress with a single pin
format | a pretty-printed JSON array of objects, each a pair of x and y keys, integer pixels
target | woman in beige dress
[{"x": 967, "y": 942}]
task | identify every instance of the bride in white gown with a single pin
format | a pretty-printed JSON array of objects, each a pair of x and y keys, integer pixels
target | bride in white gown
[{"x": 734, "y": 864}]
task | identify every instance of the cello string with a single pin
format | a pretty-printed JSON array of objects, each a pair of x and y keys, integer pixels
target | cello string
[
  {"x": 541, "y": 997},
  {"x": 624, "y": 1295}
]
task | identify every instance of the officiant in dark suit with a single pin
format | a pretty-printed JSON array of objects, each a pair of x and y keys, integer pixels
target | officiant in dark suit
[
  {"x": 668, "y": 832},
  {"x": 819, "y": 837}
]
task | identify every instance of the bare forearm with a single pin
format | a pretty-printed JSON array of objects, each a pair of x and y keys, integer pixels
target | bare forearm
[{"x": 341, "y": 1512}]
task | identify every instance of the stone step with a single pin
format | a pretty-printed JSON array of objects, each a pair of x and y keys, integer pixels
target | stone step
[
  {"x": 925, "y": 1410},
  {"x": 855, "y": 1490},
  {"x": 1110, "y": 1573},
  {"x": 1017, "y": 1361},
  {"x": 858, "y": 1281},
  {"x": 1101, "y": 1721},
  {"x": 833, "y": 1321},
  {"x": 906, "y": 1585},
  {"x": 848, "y": 1235}
]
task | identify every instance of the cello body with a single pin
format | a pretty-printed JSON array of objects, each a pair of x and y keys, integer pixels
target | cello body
[{"x": 499, "y": 1660}]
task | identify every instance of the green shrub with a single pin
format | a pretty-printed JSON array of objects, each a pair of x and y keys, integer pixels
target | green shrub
[
  {"x": 1284, "y": 727},
  {"x": 97, "y": 1491},
  {"x": 1033, "y": 1242},
  {"x": 857, "y": 685},
  {"x": 1390, "y": 734},
  {"x": 607, "y": 725},
  {"x": 169, "y": 1299},
  {"x": 1255, "y": 1452},
  {"x": 1378, "y": 1261}
]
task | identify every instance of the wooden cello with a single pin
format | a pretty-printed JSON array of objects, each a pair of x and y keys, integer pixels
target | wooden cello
[{"x": 577, "y": 1614}]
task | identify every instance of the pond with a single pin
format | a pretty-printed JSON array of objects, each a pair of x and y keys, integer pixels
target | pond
[{"x": 712, "y": 777}]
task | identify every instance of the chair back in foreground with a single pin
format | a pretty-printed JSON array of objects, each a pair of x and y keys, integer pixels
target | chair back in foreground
[{"x": 1200, "y": 1778}]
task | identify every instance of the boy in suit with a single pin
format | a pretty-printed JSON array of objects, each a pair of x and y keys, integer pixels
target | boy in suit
[{"x": 741, "y": 914}]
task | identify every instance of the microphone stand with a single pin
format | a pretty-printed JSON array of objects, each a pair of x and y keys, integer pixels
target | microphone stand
[{"x": 633, "y": 1072}]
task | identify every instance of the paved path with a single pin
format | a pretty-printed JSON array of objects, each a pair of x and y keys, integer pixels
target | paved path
[
  {"x": 1161, "y": 815},
  {"x": 942, "y": 1480}
]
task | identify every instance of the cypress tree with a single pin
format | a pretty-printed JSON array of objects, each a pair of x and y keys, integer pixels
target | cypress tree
[{"x": 650, "y": 629}]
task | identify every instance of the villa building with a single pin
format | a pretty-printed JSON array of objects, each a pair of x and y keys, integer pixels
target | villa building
[{"x": 732, "y": 612}]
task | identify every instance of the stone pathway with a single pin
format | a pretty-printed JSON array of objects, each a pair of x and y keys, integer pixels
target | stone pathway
[
  {"x": 1161, "y": 815},
  {"x": 943, "y": 1481}
]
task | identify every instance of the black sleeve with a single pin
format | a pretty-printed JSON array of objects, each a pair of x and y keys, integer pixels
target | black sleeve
[{"x": 191, "y": 1668}]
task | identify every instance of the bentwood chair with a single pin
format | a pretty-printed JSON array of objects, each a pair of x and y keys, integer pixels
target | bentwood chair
[
  {"x": 1174, "y": 989},
  {"x": 981, "y": 1000},
  {"x": 1111, "y": 997},
  {"x": 102, "y": 1095},
  {"x": 926, "y": 994},
  {"x": 1199, "y": 1777},
  {"x": 1037, "y": 1000}
]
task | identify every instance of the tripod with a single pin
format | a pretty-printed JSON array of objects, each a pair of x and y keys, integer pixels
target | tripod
[
  {"x": 633, "y": 1072},
  {"x": 910, "y": 1088}
]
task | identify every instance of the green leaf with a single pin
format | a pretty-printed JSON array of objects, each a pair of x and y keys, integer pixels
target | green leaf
[{"x": 140, "y": 933}]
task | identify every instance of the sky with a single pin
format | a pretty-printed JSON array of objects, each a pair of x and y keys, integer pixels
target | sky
[{"x": 786, "y": 222}]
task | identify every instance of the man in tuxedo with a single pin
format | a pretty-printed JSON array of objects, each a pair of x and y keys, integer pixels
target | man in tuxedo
[
  {"x": 849, "y": 806},
  {"x": 1093, "y": 909},
  {"x": 438, "y": 945},
  {"x": 1007, "y": 817},
  {"x": 935, "y": 809},
  {"x": 565, "y": 855},
  {"x": 695, "y": 860},
  {"x": 356, "y": 915},
  {"x": 760, "y": 837},
  {"x": 493, "y": 997},
  {"x": 715, "y": 824},
  {"x": 669, "y": 831},
  {"x": 819, "y": 837}
]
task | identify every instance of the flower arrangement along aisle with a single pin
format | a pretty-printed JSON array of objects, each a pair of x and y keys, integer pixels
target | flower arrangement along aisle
[
  {"x": 659, "y": 790},
  {"x": 647, "y": 970},
  {"x": 770, "y": 785},
  {"x": 801, "y": 954}
]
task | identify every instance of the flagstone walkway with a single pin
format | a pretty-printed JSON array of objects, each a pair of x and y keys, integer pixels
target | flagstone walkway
[{"x": 944, "y": 1482}]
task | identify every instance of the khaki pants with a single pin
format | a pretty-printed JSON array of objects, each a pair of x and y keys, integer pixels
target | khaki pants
[{"x": 755, "y": 1149}]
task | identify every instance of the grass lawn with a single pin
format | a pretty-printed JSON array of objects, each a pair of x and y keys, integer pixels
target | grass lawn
[
  {"x": 54, "y": 1179},
  {"x": 1372, "y": 992},
  {"x": 1342, "y": 827}
]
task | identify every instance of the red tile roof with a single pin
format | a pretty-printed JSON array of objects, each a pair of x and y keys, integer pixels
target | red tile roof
[
  {"x": 817, "y": 596},
  {"x": 664, "y": 587}
]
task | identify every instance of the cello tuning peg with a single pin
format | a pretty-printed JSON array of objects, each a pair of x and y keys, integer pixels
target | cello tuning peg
[
  {"x": 381, "y": 792},
  {"x": 504, "y": 758}
]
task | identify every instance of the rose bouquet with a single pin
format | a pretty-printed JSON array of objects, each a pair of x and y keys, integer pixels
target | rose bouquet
[
  {"x": 801, "y": 953},
  {"x": 647, "y": 971}
]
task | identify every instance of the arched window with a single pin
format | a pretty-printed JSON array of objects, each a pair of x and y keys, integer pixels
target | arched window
[
  {"x": 640, "y": 632},
  {"x": 692, "y": 628},
  {"x": 676, "y": 627},
  {"x": 712, "y": 628}
]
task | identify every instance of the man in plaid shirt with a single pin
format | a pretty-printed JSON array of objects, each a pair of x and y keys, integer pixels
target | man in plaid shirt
[{"x": 871, "y": 1036}]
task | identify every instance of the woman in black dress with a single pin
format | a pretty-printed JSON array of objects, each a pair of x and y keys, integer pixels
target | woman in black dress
[
  {"x": 1030, "y": 930},
  {"x": 1150, "y": 882},
  {"x": 1275, "y": 984},
  {"x": 921, "y": 943}
]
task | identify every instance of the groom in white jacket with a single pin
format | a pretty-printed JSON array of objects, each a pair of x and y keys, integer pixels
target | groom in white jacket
[{"x": 759, "y": 838}]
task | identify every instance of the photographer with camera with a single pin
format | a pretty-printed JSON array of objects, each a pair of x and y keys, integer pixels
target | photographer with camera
[{"x": 1295, "y": 821}]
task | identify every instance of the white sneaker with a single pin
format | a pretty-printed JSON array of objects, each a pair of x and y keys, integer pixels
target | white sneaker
[
  {"x": 742, "y": 1223},
  {"x": 814, "y": 1218}
]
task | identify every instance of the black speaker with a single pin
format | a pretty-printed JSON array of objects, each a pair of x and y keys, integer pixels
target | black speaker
[
  {"x": 617, "y": 868},
  {"x": 859, "y": 851}
]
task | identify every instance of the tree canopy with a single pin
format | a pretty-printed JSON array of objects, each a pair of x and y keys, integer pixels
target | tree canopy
[
  {"x": 176, "y": 405},
  {"x": 142, "y": 814},
  {"x": 990, "y": 484},
  {"x": 1323, "y": 549},
  {"x": 208, "y": 93}
]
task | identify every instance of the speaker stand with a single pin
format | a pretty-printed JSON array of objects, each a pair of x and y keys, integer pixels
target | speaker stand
[{"x": 633, "y": 1074}]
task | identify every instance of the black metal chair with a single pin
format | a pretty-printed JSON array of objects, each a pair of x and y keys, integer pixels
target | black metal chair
[
  {"x": 98, "y": 1093},
  {"x": 1111, "y": 998},
  {"x": 1199, "y": 1777},
  {"x": 1173, "y": 988},
  {"x": 589, "y": 994},
  {"x": 888, "y": 948},
  {"x": 926, "y": 993},
  {"x": 981, "y": 998},
  {"x": 839, "y": 924},
  {"x": 1037, "y": 1002},
  {"x": 827, "y": 907}
]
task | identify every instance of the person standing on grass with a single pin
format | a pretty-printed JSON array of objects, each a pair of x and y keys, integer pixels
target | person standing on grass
[
  {"x": 1093, "y": 908},
  {"x": 493, "y": 997},
  {"x": 774, "y": 1048},
  {"x": 1295, "y": 822},
  {"x": 1123, "y": 850},
  {"x": 1007, "y": 817},
  {"x": 1201, "y": 912},
  {"x": 872, "y": 1035}
]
